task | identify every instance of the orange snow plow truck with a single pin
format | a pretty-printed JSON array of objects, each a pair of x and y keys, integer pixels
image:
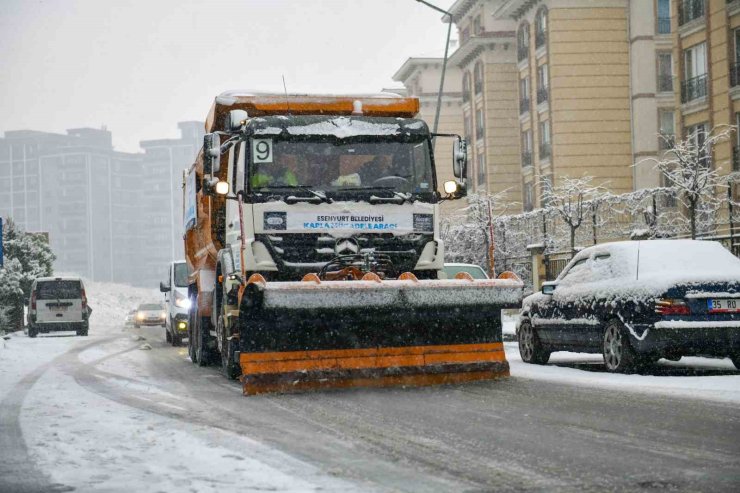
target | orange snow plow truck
[{"x": 312, "y": 232}]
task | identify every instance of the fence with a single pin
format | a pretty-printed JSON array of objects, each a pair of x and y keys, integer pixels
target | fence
[{"x": 646, "y": 214}]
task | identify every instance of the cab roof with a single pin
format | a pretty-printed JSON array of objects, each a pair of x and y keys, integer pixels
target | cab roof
[
  {"x": 340, "y": 127},
  {"x": 263, "y": 104}
]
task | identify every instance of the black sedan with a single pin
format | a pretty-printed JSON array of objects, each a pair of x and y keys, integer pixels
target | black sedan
[{"x": 636, "y": 302}]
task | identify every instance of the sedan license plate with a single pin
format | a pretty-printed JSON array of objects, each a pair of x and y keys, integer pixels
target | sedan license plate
[{"x": 723, "y": 305}]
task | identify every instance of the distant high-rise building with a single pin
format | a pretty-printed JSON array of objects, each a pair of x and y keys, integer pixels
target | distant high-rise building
[
  {"x": 164, "y": 163},
  {"x": 111, "y": 216}
]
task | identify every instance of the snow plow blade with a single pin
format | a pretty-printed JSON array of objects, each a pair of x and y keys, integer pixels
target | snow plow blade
[{"x": 321, "y": 334}]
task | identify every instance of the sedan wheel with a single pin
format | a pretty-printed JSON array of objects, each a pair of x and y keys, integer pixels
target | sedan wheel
[
  {"x": 619, "y": 357},
  {"x": 530, "y": 347}
]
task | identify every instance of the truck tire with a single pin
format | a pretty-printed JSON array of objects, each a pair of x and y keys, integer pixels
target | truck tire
[
  {"x": 202, "y": 352},
  {"x": 229, "y": 367}
]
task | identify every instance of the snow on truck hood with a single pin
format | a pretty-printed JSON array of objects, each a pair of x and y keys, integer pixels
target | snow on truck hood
[
  {"x": 340, "y": 127},
  {"x": 639, "y": 269}
]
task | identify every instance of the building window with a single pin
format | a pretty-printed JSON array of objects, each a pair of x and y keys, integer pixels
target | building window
[
  {"x": 540, "y": 28},
  {"x": 545, "y": 188},
  {"x": 696, "y": 137},
  {"x": 468, "y": 127},
  {"x": 478, "y": 77},
  {"x": 542, "y": 84},
  {"x": 523, "y": 95},
  {"x": 665, "y": 72},
  {"x": 522, "y": 42},
  {"x": 526, "y": 148},
  {"x": 545, "y": 139},
  {"x": 694, "y": 85},
  {"x": 735, "y": 67},
  {"x": 466, "y": 87},
  {"x": 480, "y": 126},
  {"x": 688, "y": 10},
  {"x": 667, "y": 129},
  {"x": 664, "y": 17},
  {"x": 464, "y": 34},
  {"x": 477, "y": 26},
  {"x": 481, "y": 169},
  {"x": 528, "y": 197}
]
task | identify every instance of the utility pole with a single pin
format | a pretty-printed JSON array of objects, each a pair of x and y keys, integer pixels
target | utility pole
[{"x": 444, "y": 62}]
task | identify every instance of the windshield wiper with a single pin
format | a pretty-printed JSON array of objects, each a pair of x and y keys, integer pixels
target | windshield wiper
[{"x": 318, "y": 196}]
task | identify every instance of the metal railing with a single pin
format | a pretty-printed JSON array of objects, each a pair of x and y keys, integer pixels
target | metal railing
[
  {"x": 543, "y": 94},
  {"x": 735, "y": 75},
  {"x": 665, "y": 83},
  {"x": 526, "y": 159},
  {"x": 664, "y": 25},
  {"x": 694, "y": 88},
  {"x": 545, "y": 150},
  {"x": 688, "y": 10},
  {"x": 523, "y": 106}
]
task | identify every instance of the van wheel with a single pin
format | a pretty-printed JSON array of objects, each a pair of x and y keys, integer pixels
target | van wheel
[
  {"x": 32, "y": 331},
  {"x": 176, "y": 340},
  {"x": 619, "y": 356},
  {"x": 530, "y": 347}
]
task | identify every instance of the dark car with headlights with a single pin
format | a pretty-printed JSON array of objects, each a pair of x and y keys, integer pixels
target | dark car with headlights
[{"x": 636, "y": 302}]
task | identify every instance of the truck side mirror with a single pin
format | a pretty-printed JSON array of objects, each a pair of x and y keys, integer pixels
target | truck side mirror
[
  {"x": 211, "y": 154},
  {"x": 163, "y": 287},
  {"x": 460, "y": 158}
]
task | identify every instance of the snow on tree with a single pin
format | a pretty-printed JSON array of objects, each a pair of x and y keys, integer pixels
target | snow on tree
[
  {"x": 27, "y": 257},
  {"x": 572, "y": 201},
  {"x": 468, "y": 232},
  {"x": 688, "y": 168}
]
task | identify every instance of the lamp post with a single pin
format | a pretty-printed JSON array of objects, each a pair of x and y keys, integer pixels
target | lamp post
[{"x": 444, "y": 61}]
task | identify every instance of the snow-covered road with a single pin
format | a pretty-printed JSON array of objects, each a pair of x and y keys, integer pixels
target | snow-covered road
[{"x": 122, "y": 411}]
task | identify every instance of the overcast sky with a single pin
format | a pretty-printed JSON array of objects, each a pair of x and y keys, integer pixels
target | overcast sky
[{"x": 140, "y": 66}]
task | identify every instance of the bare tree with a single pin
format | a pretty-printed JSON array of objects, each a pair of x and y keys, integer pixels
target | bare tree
[
  {"x": 689, "y": 169},
  {"x": 472, "y": 227},
  {"x": 571, "y": 199}
]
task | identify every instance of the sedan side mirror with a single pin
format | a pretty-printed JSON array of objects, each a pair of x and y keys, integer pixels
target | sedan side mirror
[
  {"x": 548, "y": 288},
  {"x": 164, "y": 288}
]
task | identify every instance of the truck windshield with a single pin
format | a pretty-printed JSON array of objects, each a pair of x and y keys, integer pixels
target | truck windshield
[
  {"x": 181, "y": 275},
  {"x": 337, "y": 166}
]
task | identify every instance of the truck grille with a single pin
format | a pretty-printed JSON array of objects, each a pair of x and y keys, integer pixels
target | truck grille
[{"x": 298, "y": 253}]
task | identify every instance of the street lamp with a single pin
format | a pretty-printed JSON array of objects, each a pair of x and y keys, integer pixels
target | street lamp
[{"x": 444, "y": 61}]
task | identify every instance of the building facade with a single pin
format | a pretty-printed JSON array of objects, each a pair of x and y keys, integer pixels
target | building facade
[
  {"x": 421, "y": 78},
  {"x": 110, "y": 216}
]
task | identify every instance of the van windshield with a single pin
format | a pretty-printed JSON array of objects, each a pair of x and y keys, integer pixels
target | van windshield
[
  {"x": 53, "y": 290},
  {"x": 181, "y": 275}
]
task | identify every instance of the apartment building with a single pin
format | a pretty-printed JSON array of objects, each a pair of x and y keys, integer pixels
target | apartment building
[
  {"x": 420, "y": 77},
  {"x": 163, "y": 164},
  {"x": 705, "y": 38}
]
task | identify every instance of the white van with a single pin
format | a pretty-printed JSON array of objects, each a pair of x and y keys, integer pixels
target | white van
[
  {"x": 58, "y": 304},
  {"x": 176, "y": 302}
]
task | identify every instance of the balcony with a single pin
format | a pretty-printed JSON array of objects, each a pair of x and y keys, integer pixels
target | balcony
[
  {"x": 664, "y": 25},
  {"x": 522, "y": 52},
  {"x": 545, "y": 150},
  {"x": 689, "y": 10},
  {"x": 694, "y": 88},
  {"x": 540, "y": 38},
  {"x": 543, "y": 94},
  {"x": 665, "y": 83},
  {"x": 735, "y": 75},
  {"x": 526, "y": 159},
  {"x": 523, "y": 106}
]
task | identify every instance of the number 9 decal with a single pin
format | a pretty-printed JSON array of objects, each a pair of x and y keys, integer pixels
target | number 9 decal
[{"x": 261, "y": 150}]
